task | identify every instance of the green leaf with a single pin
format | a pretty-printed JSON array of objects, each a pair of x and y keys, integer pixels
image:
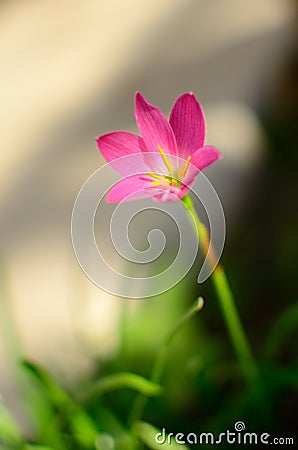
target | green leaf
[
  {"x": 83, "y": 429},
  {"x": 56, "y": 394},
  {"x": 43, "y": 417},
  {"x": 124, "y": 440},
  {"x": 38, "y": 447},
  {"x": 125, "y": 380},
  {"x": 9, "y": 433},
  {"x": 108, "y": 421},
  {"x": 149, "y": 435},
  {"x": 105, "y": 442}
]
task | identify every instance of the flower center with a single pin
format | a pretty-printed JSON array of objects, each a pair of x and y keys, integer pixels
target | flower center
[{"x": 171, "y": 179}]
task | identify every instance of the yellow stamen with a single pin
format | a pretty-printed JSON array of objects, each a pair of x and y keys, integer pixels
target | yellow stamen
[
  {"x": 157, "y": 183},
  {"x": 154, "y": 175},
  {"x": 165, "y": 159},
  {"x": 183, "y": 170}
]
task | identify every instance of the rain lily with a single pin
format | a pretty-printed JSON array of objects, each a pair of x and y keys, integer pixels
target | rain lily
[{"x": 171, "y": 152}]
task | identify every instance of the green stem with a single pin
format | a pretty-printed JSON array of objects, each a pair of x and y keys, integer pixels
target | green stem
[
  {"x": 158, "y": 367},
  {"x": 160, "y": 361},
  {"x": 227, "y": 303}
]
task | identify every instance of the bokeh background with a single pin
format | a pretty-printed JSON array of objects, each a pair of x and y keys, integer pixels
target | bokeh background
[{"x": 69, "y": 71}]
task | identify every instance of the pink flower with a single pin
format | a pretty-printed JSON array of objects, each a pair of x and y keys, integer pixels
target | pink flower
[{"x": 171, "y": 152}]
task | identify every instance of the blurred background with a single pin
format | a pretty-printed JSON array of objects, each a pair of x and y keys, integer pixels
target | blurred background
[{"x": 69, "y": 73}]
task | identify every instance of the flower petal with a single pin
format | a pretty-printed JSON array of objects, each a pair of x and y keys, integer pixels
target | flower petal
[
  {"x": 188, "y": 123},
  {"x": 131, "y": 188},
  {"x": 154, "y": 127},
  {"x": 205, "y": 156},
  {"x": 171, "y": 194},
  {"x": 121, "y": 143}
]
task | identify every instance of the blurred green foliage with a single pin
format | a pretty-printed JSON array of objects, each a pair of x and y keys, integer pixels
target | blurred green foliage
[{"x": 201, "y": 388}]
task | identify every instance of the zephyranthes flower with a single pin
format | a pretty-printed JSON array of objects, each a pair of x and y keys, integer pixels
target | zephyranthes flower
[{"x": 172, "y": 152}]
